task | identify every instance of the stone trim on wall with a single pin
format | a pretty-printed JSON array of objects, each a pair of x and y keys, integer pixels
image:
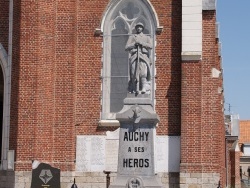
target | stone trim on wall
[
  {"x": 199, "y": 180},
  {"x": 191, "y": 30},
  {"x": 192, "y": 27},
  {"x": 208, "y": 4}
]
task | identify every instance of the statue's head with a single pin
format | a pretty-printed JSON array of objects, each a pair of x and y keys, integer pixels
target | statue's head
[{"x": 139, "y": 27}]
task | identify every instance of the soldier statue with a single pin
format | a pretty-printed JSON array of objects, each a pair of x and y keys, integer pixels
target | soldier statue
[{"x": 138, "y": 46}]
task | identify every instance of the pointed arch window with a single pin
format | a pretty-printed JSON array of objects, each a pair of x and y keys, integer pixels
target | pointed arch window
[{"x": 118, "y": 24}]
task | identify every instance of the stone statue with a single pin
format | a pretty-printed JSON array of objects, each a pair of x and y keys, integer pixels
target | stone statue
[{"x": 138, "y": 46}]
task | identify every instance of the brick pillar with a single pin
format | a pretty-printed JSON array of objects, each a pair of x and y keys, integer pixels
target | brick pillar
[
  {"x": 191, "y": 117},
  {"x": 64, "y": 89},
  {"x": 43, "y": 131},
  {"x": 202, "y": 127},
  {"x": 23, "y": 118},
  {"x": 43, "y": 83},
  {"x": 235, "y": 165}
]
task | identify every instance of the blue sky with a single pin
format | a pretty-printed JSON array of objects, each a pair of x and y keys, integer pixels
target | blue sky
[{"x": 234, "y": 19}]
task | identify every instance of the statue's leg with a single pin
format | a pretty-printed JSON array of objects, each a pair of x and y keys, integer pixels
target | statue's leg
[
  {"x": 130, "y": 83},
  {"x": 133, "y": 77},
  {"x": 143, "y": 76}
]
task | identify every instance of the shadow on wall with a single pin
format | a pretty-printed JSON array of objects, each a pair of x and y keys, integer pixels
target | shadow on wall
[
  {"x": 174, "y": 90},
  {"x": 7, "y": 179},
  {"x": 15, "y": 75},
  {"x": 4, "y": 23}
]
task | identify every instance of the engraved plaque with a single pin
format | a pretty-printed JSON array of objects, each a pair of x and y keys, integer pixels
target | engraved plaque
[
  {"x": 112, "y": 147},
  {"x": 45, "y": 176},
  {"x": 161, "y": 153},
  {"x": 167, "y": 153},
  {"x": 90, "y": 153},
  {"x": 174, "y": 153}
]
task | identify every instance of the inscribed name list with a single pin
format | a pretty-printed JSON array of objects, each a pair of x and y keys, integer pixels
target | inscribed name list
[{"x": 90, "y": 153}]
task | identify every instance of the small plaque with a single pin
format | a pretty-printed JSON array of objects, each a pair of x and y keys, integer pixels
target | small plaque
[
  {"x": 174, "y": 154},
  {"x": 161, "y": 153},
  {"x": 112, "y": 148},
  {"x": 45, "y": 176},
  {"x": 90, "y": 153}
]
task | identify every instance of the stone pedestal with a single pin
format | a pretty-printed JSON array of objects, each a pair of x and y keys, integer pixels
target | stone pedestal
[{"x": 136, "y": 163}]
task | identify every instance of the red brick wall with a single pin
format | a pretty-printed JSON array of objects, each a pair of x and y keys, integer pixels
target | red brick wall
[
  {"x": 15, "y": 80},
  {"x": 244, "y": 131},
  {"x": 229, "y": 162},
  {"x": 44, "y": 81},
  {"x": 24, "y": 83},
  {"x": 55, "y": 78},
  {"x": 191, "y": 116},
  {"x": 168, "y": 65},
  {"x": 202, "y": 133},
  {"x": 56, "y": 86},
  {"x": 88, "y": 53},
  {"x": 233, "y": 164},
  {"x": 4, "y": 23},
  {"x": 211, "y": 104},
  {"x": 235, "y": 168}
]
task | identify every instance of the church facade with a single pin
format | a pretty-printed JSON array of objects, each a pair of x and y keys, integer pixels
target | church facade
[{"x": 65, "y": 74}]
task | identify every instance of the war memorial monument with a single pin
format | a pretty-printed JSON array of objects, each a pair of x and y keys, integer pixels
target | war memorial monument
[
  {"x": 136, "y": 165},
  {"x": 133, "y": 88}
]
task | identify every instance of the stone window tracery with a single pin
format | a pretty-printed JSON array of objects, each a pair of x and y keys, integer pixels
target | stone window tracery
[{"x": 119, "y": 23}]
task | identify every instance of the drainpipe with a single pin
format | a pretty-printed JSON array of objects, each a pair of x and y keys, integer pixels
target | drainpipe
[{"x": 8, "y": 89}]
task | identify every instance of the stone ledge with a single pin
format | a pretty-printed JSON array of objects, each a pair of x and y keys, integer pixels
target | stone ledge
[
  {"x": 191, "y": 56},
  {"x": 109, "y": 123}
]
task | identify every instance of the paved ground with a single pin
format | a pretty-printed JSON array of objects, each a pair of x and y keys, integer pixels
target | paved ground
[{"x": 245, "y": 184}]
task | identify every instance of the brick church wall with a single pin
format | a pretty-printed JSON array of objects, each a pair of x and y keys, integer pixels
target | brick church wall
[
  {"x": 168, "y": 65},
  {"x": 202, "y": 118},
  {"x": 56, "y": 77},
  {"x": 56, "y": 85}
]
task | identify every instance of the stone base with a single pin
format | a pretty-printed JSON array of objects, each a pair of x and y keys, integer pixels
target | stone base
[
  {"x": 136, "y": 181},
  {"x": 199, "y": 180},
  {"x": 11, "y": 179}
]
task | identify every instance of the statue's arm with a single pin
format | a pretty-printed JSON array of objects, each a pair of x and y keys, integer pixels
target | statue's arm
[
  {"x": 130, "y": 44},
  {"x": 147, "y": 43}
]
